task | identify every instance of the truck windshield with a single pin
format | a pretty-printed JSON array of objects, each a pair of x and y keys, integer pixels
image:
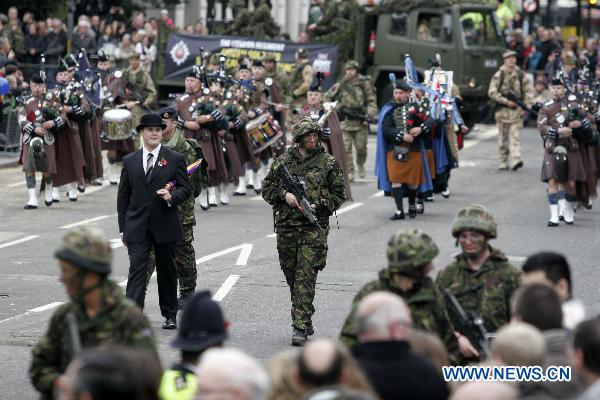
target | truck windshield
[{"x": 479, "y": 28}]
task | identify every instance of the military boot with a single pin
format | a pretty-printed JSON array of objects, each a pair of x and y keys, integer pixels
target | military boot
[
  {"x": 309, "y": 330},
  {"x": 298, "y": 338},
  {"x": 361, "y": 171}
]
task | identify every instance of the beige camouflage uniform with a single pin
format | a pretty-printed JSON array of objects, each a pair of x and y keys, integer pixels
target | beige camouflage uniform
[{"x": 509, "y": 120}]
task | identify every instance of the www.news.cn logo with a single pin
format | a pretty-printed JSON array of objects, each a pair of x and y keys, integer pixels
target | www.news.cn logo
[{"x": 507, "y": 374}]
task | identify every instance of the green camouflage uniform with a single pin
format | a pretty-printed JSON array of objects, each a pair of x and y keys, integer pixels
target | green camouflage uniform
[
  {"x": 486, "y": 292},
  {"x": 337, "y": 26},
  {"x": 144, "y": 88},
  {"x": 302, "y": 246},
  {"x": 300, "y": 81},
  {"x": 356, "y": 97},
  {"x": 185, "y": 255},
  {"x": 409, "y": 254},
  {"x": 509, "y": 120},
  {"x": 119, "y": 321}
]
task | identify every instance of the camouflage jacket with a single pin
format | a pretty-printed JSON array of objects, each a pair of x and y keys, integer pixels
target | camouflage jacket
[
  {"x": 426, "y": 307},
  {"x": 485, "y": 292},
  {"x": 180, "y": 145},
  {"x": 119, "y": 322},
  {"x": 324, "y": 188},
  {"x": 353, "y": 96},
  {"x": 301, "y": 78},
  {"x": 503, "y": 84},
  {"x": 142, "y": 84}
]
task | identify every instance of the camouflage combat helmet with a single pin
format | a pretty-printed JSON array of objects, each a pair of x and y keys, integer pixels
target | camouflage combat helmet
[
  {"x": 304, "y": 125},
  {"x": 474, "y": 217},
  {"x": 87, "y": 248},
  {"x": 352, "y": 64},
  {"x": 409, "y": 251},
  {"x": 302, "y": 52}
]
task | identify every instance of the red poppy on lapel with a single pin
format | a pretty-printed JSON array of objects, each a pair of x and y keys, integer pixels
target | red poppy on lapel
[{"x": 163, "y": 162}]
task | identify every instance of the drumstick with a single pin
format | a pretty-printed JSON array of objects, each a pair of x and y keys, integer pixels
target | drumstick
[
  {"x": 277, "y": 104},
  {"x": 125, "y": 104}
]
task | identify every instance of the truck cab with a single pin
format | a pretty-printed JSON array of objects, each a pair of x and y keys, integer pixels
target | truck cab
[{"x": 465, "y": 35}]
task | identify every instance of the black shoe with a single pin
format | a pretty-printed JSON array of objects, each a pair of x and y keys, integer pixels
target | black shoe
[
  {"x": 170, "y": 323},
  {"x": 239, "y": 194},
  {"x": 257, "y": 191},
  {"x": 212, "y": 205},
  {"x": 81, "y": 188},
  {"x": 588, "y": 205},
  {"x": 114, "y": 183},
  {"x": 552, "y": 224},
  {"x": 182, "y": 299},
  {"x": 29, "y": 207},
  {"x": 420, "y": 208},
  {"x": 55, "y": 200},
  {"x": 561, "y": 218},
  {"x": 397, "y": 215},
  {"x": 249, "y": 186},
  {"x": 517, "y": 166},
  {"x": 298, "y": 338},
  {"x": 204, "y": 208},
  {"x": 73, "y": 199},
  {"x": 48, "y": 203},
  {"x": 309, "y": 330},
  {"x": 412, "y": 211}
]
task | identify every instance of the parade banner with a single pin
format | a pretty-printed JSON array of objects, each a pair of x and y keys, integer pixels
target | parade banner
[{"x": 182, "y": 51}]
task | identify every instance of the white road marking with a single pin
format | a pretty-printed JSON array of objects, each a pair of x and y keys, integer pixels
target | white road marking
[
  {"x": 16, "y": 184},
  {"x": 116, "y": 243},
  {"x": 256, "y": 198},
  {"x": 272, "y": 235},
  {"x": 123, "y": 283},
  {"x": 348, "y": 208},
  {"x": 378, "y": 194},
  {"x": 225, "y": 287},
  {"x": 25, "y": 239},
  {"x": 47, "y": 306},
  {"x": 480, "y": 137},
  {"x": 244, "y": 248},
  {"x": 85, "y": 221}
]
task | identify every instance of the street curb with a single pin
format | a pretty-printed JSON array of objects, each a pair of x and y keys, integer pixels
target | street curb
[{"x": 8, "y": 163}]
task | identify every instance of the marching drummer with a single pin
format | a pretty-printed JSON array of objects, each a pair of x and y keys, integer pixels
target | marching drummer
[
  {"x": 194, "y": 125},
  {"x": 116, "y": 148}
]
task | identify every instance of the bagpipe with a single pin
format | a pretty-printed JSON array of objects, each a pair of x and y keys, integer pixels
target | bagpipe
[{"x": 201, "y": 164}]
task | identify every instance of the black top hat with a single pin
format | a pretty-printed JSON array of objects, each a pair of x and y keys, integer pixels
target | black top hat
[
  {"x": 37, "y": 77},
  {"x": 243, "y": 66},
  {"x": 202, "y": 324},
  {"x": 257, "y": 63},
  {"x": 150, "y": 120}
]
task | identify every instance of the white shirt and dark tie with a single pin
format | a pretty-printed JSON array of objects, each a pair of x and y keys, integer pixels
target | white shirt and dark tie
[{"x": 149, "y": 158}]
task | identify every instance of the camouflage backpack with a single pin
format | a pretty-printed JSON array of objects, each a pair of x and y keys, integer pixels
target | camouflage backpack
[
  {"x": 474, "y": 217},
  {"x": 409, "y": 252}
]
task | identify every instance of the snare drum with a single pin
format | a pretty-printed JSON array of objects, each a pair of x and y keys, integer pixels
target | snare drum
[
  {"x": 118, "y": 124},
  {"x": 263, "y": 131}
]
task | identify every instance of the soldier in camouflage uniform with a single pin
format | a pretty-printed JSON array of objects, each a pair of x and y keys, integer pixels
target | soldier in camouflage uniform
[
  {"x": 301, "y": 78},
  {"x": 140, "y": 91},
  {"x": 185, "y": 255},
  {"x": 101, "y": 314},
  {"x": 481, "y": 278},
  {"x": 410, "y": 254},
  {"x": 356, "y": 106},
  {"x": 508, "y": 83},
  {"x": 302, "y": 246}
]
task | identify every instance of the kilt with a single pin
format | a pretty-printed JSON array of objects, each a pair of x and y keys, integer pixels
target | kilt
[{"x": 408, "y": 172}]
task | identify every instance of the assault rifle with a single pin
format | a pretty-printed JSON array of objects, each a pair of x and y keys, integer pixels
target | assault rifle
[
  {"x": 74, "y": 338},
  {"x": 515, "y": 99},
  {"x": 297, "y": 187},
  {"x": 353, "y": 114},
  {"x": 467, "y": 324}
]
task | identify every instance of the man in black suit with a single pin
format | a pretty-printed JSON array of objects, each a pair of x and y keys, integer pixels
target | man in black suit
[{"x": 148, "y": 215}]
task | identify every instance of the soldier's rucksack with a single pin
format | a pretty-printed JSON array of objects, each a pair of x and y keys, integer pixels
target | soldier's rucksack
[{"x": 199, "y": 178}]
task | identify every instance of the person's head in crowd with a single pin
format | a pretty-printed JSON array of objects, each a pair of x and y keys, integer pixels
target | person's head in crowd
[
  {"x": 538, "y": 305},
  {"x": 270, "y": 62},
  {"x": 591, "y": 45},
  {"x": 283, "y": 373},
  {"x": 528, "y": 41},
  {"x": 192, "y": 82},
  {"x": 5, "y": 48},
  {"x": 244, "y": 72},
  {"x": 95, "y": 21},
  {"x": 110, "y": 373},
  {"x": 510, "y": 59},
  {"x": 351, "y": 69},
  {"x": 429, "y": 346},
  {"x": 154, "y": 24},
  {"x": 543, "y": 34},
  {"x": 229, "y": 373},
  {"x": 164, "y": 14},
  {"x": 485, "y": 391},
  {"x": 33, "y": 28},
  {"x": 137, "y": 20},
  {"x": 540, "y": 85},
  {"x": 584, "y": 352},
  {"x": 134, "y": 61},
  {"x": 42, "y": 28},
  {"x": 202, "y": 325},
  {"x": 301, "y": 54},
  {"x": 324, "y": 362},
  {"x": 57, "y": 25},
  {"x": 62, "y": 75},
  {"x": 13, "y": 13},
  {"x": 3, "y": 21},
  {"x": 126, "y": 40},
  {"x": 108, "y": 32},
  {"x": 518, "y": 344},
  {"x": 27, "y": 18},
  {"x": 37, "y": 85},
  {"x": 136, "y": 36},
  {"x": 258, "y": 70},
  {"x": 383, "y": 316},
  {"x": 199, "y": 29},
  {"x": 557, "y": 32},
  {"x": 83, "y": 27},
  {"x": 189, "y": 29},
  {"x": 303, "y": 37},
  {"x": 550, "y": 268}
]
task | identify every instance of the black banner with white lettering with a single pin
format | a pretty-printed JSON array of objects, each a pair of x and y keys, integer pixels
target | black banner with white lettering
[{"x": 182, "y": 52}]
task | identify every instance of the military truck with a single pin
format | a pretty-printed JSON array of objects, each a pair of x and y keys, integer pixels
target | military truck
[{"x": 465, "y": 34}]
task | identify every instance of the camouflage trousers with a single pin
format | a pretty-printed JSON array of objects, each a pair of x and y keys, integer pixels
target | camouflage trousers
[
  {"x": 509, "y": 142},
  {"x": 185, "y": 259},
  {"x": 355, "y": 135},
  {"x": 302, "y": 254}
]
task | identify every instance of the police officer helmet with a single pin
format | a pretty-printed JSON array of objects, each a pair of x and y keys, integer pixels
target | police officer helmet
[
  {"x": 87, "y": 248},
  {"x": 474, "y": 217},
  {"x": 305, "y": 125},
  {"x": 409, "y": 252}
]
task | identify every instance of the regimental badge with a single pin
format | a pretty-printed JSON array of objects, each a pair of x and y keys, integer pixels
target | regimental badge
[
  {"x": 48, "y": 96},
  {"x": 179, "y": 52}
]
